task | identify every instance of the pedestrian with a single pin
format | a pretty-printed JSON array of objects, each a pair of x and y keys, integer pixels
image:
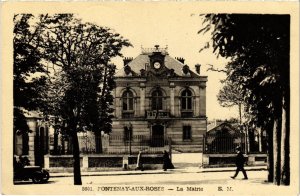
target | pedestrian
[
  {"x": 167, "y": 164},
  {"x": 139, "y": 163},
  {"x": 239, "y": 161},
  {"x": 24, "y": 161}
]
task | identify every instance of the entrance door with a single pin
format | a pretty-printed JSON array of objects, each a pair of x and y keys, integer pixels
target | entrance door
[{"x": 157, "y": 139}]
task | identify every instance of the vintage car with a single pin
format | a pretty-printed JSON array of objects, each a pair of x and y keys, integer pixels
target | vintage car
[{"x": 35, "y": 173}]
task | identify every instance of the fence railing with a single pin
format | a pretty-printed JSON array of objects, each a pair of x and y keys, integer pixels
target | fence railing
[
  {"x": 119, "y": 144},
  {"x": 224, "y": 143},
  {"x": 147, "y": 144},
  {"x": 152, "y": 114}
]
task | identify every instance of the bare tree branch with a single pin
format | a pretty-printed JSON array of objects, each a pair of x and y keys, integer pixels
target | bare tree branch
[{"x": 211, "y": 68}]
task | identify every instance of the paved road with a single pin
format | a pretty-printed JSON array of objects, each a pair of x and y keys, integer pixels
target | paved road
[
  {"x": 173, "y": 178},
  {"x": 170, "y": 183},
  {"x": 168, "y": 178}
]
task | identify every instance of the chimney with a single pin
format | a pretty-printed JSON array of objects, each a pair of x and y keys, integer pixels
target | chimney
[
  {"x": 127, "y": 60},
  {"x": 197, "y": 67},
  {"x": 180, "y": 59}
]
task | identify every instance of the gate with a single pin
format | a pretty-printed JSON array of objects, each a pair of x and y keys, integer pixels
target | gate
[{"x": 223, "y": 143}]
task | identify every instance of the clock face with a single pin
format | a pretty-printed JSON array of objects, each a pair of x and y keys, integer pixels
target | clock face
[{"x": 156, "y": 65}]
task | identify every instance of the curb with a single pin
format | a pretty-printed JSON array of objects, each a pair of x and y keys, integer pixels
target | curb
[
  {"x": 233, "y": 169},
  {"x": 157, "y": 172},
  {"x": 118, "y": 174}
]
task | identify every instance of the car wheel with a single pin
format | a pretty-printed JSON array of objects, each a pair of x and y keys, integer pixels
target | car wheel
[
  {"x": 46, "y": 176},
  {"x": 37, "y": 178}
]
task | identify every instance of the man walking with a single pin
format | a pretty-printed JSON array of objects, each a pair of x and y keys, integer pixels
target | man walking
[
  {"x": 167, "y": 164},
  {"x": 239, "y": 161}
]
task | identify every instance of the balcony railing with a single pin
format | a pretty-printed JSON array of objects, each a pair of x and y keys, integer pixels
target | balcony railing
[
  {"x": 127, "y": 114},
  {"x": 154, "y": 114},
  {"x": 187, "y": 113}
]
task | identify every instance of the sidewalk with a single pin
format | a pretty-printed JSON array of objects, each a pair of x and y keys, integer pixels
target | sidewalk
[{"x": 138, "y": 172}]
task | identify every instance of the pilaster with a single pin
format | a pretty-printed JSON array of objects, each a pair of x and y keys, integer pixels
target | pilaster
[
  {"x": 142, "y": 98},
  {"x": 172, "y": 98}
]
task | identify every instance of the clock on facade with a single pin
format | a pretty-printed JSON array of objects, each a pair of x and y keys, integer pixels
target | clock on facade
[{"x": 156, "y": 65}]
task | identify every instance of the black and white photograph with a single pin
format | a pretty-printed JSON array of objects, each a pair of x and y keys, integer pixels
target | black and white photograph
[{"x": 150, "y": 98}]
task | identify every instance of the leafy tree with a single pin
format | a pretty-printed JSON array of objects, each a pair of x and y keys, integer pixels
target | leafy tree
[
  {"x": 230, "y": 95},
  {"x": 82, "y": 52},
  {"x": 28, "y": 71},
  {"x": 258, "y": 48}
]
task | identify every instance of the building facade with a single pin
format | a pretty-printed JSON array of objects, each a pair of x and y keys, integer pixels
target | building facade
[
  {"x": 158, "y": 101},
  {"x": 34, "y": 143}
]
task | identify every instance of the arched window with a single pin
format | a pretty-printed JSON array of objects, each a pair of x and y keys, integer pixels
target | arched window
[
  {"x": 127, "y": 100},
  {"x": 157, "y": 100},
  {"x": 186, "y": 103},
  {"x": 186, "y": 100}
]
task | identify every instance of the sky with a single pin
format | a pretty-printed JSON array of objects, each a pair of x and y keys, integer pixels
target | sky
[{"x": 172, "y": 25}]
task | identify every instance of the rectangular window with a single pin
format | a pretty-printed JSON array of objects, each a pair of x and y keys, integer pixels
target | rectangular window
[{"x": 187, "y": 132}]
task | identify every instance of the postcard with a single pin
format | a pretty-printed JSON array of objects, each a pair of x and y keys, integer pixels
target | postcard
[{"x": 150, "y": 98}]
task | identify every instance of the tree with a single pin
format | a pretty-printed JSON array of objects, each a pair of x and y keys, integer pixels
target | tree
[
  {"x": 82, "y": 52},
  {"x": 230, "y": 95},
  {"x": 28, "y": 71},
  {"x": 258, "y": 48}
]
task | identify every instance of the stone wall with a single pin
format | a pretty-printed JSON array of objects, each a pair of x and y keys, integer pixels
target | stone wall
[
  {"x": 225, "y": 160},
  {"x": 100, "y": 162}
]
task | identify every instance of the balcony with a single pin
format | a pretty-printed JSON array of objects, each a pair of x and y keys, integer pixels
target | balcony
[
  {"x": 187, "y": 113},
  {"x": 128, "y": 114},
  {"x": 154, "y": 114}
]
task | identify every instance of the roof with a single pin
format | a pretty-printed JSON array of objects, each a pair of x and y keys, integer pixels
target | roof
[
  {"x": 222, "y": 127},
  {"x": 141, "y": 60}
]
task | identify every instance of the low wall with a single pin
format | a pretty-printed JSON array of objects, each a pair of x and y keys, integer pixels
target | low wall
[
  {"x": 226, "y": 160},
  {"x": 101, "y": 162}
]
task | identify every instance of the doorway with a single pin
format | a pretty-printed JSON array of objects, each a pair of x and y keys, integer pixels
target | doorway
[{"x": 157, "y": 139}]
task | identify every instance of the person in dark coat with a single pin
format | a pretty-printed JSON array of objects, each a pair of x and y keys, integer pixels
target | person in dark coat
[
  {"x": 167, "y": 164},
  {"x": 239, "y": 161}
]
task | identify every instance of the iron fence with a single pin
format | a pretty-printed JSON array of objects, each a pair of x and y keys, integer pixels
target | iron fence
[
  {"x": 147, "y": 144},
  {"x": 118, "y": 144},
  {"x": 224, "y": 143}
]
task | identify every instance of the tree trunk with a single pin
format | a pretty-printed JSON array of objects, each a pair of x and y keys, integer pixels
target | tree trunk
[
  {"x": 77, "y": 174},
  {"x": 276, "y": 148},
  {"x": 285, "y": 151},
  {"x": 240, "y": 112},
  {"x": 98, "y": 142},
  {"x": 247, "y": 149},
  {"x": 270, "y": 154}
]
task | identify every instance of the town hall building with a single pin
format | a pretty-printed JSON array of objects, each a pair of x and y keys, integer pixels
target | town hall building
[{"x": 158, "y": 100}]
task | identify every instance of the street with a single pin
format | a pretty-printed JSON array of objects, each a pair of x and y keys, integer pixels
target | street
[
  {"x": 168, "y": 178},
  {"x": 188, "y": 181},
  {"x": 186, "y": 177}
]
